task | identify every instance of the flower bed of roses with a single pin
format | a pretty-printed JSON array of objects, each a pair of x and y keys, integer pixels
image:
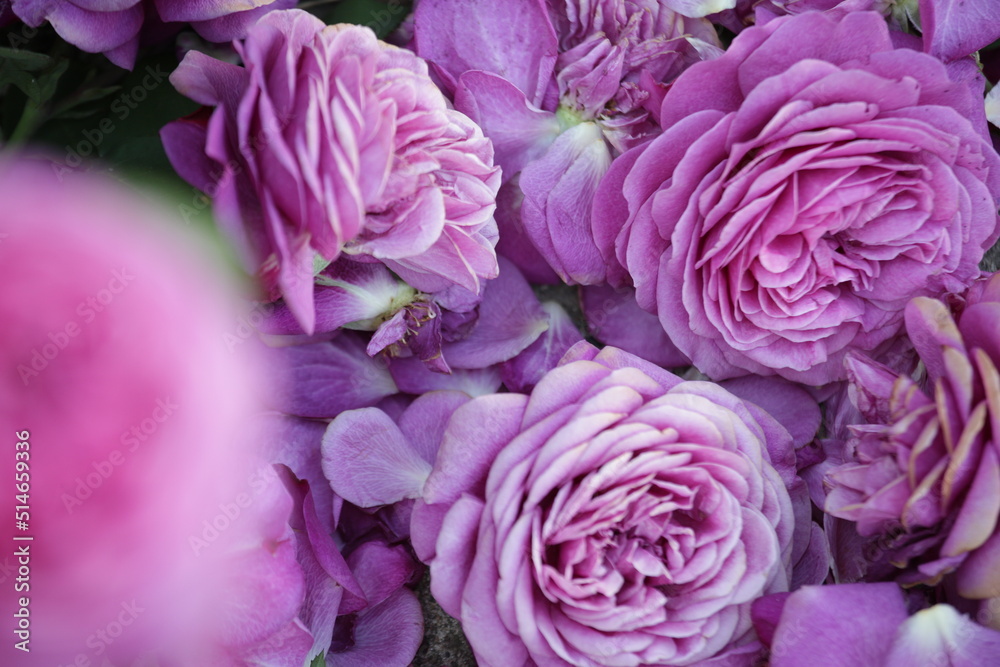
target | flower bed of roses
[{"x": 650, "y": 332}]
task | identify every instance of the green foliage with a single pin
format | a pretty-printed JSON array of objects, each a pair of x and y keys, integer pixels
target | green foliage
[{"x": 382, "y": 16}]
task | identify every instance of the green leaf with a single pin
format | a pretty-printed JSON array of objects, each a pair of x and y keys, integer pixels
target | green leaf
[
  {"x": 28, "y": 61},
  {"x": 48, "y": 82},
  {"x": 69, "y": 107},
  {"x": 34, "y": 74},
  {"x": 382, "y": 16},
  {"x": 318, "y": 661},
  {"x": 119, "y": 121}
]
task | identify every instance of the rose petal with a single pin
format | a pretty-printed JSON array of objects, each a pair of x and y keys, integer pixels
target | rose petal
[{"x": 368, "y": 460}]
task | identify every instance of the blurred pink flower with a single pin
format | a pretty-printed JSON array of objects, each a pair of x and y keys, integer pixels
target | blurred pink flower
[{"x": 117, "y": 377}]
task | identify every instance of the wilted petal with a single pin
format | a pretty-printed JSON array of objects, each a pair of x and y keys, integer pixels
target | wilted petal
[
  {"x": 791, "y": 405},
  {"x": 184, "y": 143},
  {"x": 93, "y": 29},
  {"x": 424, "y": 421},
  {"x": 520, "y": 132},
  {"x": 295, "y": 443},
  {"x": 381, "y": 569},
  {"x": 514, "y": 40},
  {"x": 954, "y": 29},
  {"x": 232, "y": 26},
  {"x": 614, "y": 318},
  {"x": 558, "y": 190},
  {"x": 413, "y": 377},
  {"x": 477, "y": 431}
]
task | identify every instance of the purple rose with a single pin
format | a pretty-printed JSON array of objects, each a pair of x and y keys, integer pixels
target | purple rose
[
  {"x": 330, "y": 141},
  {"x": 925, "y": 478},
  {"x": 807, "y": 184},
  {"x": 563, "y": 89},
  {"x": 948, "y": 29},
  {"x": 616, "y": 516},
  {"x": 113, "y": 27}
]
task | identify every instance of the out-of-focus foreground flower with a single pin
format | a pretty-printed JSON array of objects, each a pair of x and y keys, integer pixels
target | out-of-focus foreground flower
[
  {"x": 330, "y": 141},
  {"x": 113, "y": 27},
  {"x": 116, "y": 377},
  {"x": 806, "y": 186},
  {"x": 925, "y": 469}
]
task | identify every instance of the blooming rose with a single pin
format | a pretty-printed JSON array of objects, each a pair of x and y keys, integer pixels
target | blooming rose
[
  {"x": 331, "y": 141},
  {"x": 948, "y": 30},
  {"x": 616, "y": 516},
  {"x": 926, "y": 474},
  {"x": 807, "y": 184},
  {"x": 558, "y": 106},
  {"x": 113, "y": 27}
]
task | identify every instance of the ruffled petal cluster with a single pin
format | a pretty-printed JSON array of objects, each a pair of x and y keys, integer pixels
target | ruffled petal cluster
[
  {"x": 328, "y": 142},
  {"x": 559, "y": 106},
  {"x": 806, "y": 186},
  {"x": 617, "y": 515},
  {"x": 925, "y": 469}
]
